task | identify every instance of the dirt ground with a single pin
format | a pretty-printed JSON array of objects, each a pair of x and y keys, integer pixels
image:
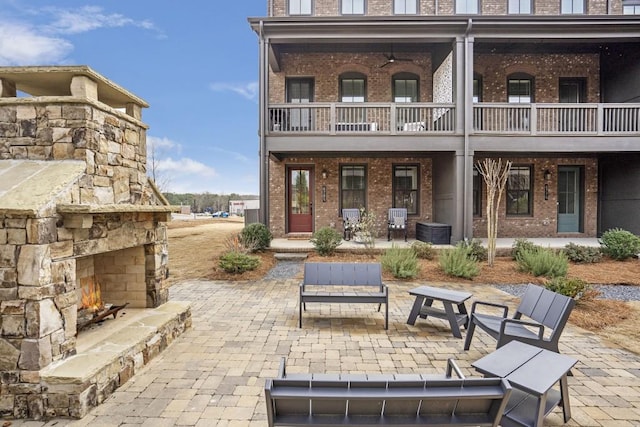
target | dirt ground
[{"x": 196, "y": 244}]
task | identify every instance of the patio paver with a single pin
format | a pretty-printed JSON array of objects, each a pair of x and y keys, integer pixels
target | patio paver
[{"x": 213, "y": 375}]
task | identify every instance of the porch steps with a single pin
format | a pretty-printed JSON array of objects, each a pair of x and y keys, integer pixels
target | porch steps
[
  {"x": 299, "y": 236},
  {"x": 290, "y": 256}
]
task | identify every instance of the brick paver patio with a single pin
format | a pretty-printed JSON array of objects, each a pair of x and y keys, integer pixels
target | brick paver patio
[{"x": 213, "y": 375}]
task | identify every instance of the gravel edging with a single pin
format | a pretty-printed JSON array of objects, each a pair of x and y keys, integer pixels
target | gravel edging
[{"x": 614, "y": 292}]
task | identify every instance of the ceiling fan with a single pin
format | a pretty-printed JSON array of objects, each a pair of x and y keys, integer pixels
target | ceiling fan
[{"x": 391, "y": 58}]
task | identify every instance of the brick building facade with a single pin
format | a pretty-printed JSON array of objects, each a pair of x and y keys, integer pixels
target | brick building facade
[{"x": 402, "y": 99}]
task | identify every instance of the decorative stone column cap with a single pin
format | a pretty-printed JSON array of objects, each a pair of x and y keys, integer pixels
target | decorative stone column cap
[{"x": 56, "y": 81}]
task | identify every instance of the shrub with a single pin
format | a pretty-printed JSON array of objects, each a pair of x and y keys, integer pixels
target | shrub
[
  {"x": 620, "y": 244},
  {"x": 570, "y": 287},
  {"x": 402, "y": 263},
  {"x": 423, "y": 250},
  {"x": 459, "y": 262},
  {"x": 475, "y": 249},
  {"x": 256, "y": 236},
  {"x": 520, "y": 245},
  {"x": 326, "y": 240},
  {"x": 543, "y": 262},
  {"x": 582, "y": 254},
  {"x": 238, "y": 262}
]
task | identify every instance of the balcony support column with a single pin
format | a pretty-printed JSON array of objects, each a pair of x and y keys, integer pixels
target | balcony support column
[{"x": 263, "y": 107}]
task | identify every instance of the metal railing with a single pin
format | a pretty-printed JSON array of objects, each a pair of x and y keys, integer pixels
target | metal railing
[
  {"x": 556, "y": 119},
  {"x": 339, "y": 118}
]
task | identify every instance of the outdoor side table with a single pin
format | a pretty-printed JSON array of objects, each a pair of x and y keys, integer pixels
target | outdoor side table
[
  {"x": 533, "y": 372},
  {"x": 422, "y": 306}
]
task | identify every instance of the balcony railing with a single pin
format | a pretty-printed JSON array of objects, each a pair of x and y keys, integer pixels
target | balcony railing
[
  {"x": 556, "y": 119},
  {"x": 423, "y": 118},
  {"x": 341, "y": 118}
]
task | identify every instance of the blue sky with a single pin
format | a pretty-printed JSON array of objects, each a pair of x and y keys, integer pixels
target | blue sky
[{"x": 194, "y": 62}]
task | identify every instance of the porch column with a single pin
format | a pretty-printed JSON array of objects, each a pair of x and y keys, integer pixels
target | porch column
[
  {"x": 459, "y": 198},
  {"x": 458, "y": 83},
  {"x": 263, "y": 108}
]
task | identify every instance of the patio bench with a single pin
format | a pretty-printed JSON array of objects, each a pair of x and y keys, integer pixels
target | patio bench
[
  {"x": 385, "y": 400},
  {"x": 544, "y": 308},
  {"x": 350, "y": 283}
]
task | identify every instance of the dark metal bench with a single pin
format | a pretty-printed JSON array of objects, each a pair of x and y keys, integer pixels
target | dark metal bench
[
  {"x": 351, "y": 283},
  {"x": 372, "y": 400},
  {"x": 544, "y": 308}
]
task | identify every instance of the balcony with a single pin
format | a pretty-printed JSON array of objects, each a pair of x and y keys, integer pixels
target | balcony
[
  {"x": 556, "y": 119},
  {"x": 440, "y": 119},
  {"x": 361, "y": 118}
]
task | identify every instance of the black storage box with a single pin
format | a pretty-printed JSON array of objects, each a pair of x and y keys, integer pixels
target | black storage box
[{"x": 433, "y": 232}]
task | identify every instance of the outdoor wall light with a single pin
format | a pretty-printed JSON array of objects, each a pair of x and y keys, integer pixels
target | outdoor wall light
[
  {"x": 547, "y": 175},
  {"x": 324, "y": 174}
]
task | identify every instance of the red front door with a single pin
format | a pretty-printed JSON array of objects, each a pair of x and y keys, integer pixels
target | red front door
[{"x": 300, "y": 185}]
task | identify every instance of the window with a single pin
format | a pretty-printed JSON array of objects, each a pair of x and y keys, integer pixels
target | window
[
  {"x": 520, "y": 89},
  {"x": 519, "y": 7},
  {"x": 405, "y": 7},
  {"x": 353, "y": 187},
  {"x": 519, "y": 191},
  {"x": 477, "y": 89},
  {"x": 353, "y": 7},
  {"x": 352, "y": 87},
  {"x": 477, "y": 193},
  {"x": 405, "y": 188},
  {"x": 570, "y": 7},
  {"x": 467, "y": 7},
  {"x": 405, "y": 88},
  {"x": 631, "y": 7},
  {"x": 300, "y": 7}
]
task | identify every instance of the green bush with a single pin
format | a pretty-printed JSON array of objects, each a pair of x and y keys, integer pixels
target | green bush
[
  {"x": 475, "y": 249},
  {"x": 423, "y": 250},
  {"x": 582, "y": 254},
  {"x": 238, "y": 262},
  {"x": 620, "y": 244},
  {"x": 256, "y": 237},
  {"x": 520, "y": 245},
  {"x": 401, "y": 263},
  {"x": 326, "y": 240},
  {"x": 459, "y": 262},
  {"x": 543, "y": 262},
  {"x": 570, "y": 287}
]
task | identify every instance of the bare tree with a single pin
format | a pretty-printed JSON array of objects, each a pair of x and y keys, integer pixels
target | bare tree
[
  {"x": 495, "y": 177},
  {"x": 160, "y": 178}
]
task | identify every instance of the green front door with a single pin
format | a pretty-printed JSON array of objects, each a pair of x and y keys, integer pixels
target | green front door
[{"x": 569, "y": 203}]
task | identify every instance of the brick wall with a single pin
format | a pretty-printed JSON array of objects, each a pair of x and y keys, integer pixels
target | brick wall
[
  {"x": 543, "y": 221},
  {"x": 446, "y": 7},
  {"x": 379, "y": 190},
  {"x": 326, "y": 69},
  {"x": 547, "y": 69}
]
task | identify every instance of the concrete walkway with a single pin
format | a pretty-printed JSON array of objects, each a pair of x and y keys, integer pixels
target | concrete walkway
[{"x": 213, "y": 375}]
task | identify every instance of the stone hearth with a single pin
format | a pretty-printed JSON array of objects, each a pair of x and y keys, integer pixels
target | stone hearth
[{"x": 75, "y": 201}]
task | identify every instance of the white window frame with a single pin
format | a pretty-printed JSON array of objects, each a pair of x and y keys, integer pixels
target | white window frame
[
  {"x": 353, "y": 7},
  {"x": 573, "y": 7},
  {"x": 300, "y": 7},
  {"x": 405, "y": 7},
  {"x": 520, "y": 7}
]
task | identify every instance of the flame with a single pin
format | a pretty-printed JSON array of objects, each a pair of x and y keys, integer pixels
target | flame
[{"x": 91, "y": 296}]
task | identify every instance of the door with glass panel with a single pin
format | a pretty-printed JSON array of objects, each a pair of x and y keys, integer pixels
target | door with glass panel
[
  {"x": 569, "y": 203},
  {"x": 572, "y": 91},
  {"x": 300, "y": 199},
  {"x": 300, "y": 91}
]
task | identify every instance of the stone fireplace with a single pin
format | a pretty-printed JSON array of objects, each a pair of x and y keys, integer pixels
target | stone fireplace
[{"x": 76, "y": 205}]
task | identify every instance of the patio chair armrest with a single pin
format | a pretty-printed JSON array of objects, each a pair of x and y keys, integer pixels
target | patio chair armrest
[
  {"x": 452, "y": 366},
  {"x": 282, "y": 370},
  {"x": 505, "y": 322},
  {"x": 505, "y": 309}
]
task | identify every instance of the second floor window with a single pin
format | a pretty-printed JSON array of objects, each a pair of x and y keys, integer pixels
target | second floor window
[
  {"x": 353, "y": 187},
  {"x": 405, "y": 188},
  {"x": 405, "y": 7},
  {"x": 520, "y": 89},
  {"x": 405, "y": 88},
  {"x": 571, "y": 7},
  {"x": 519, "y": 7},
  {"x": 631, "y": 7},
  {"x": 467, "y": 7},
  {"x": 300, "y": 7},
  {"x": 519, "y": 191},
  {"x": 353, "y": 7}
]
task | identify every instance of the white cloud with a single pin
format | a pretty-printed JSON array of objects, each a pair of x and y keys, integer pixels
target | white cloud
[
  {"x": 234, "y": 154},
  {"x": 20, "y": 44},
  {"x": 88, "y": 18},
  {"x": 246, "y": 90},
  {"x": 186, "y": 166},
  {"x": 163, "y": 144}
]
